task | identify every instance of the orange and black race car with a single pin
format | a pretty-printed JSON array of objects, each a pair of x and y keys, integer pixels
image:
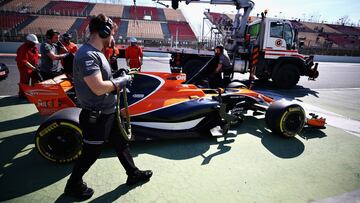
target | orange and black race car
[{"x": 160, "y": 105}]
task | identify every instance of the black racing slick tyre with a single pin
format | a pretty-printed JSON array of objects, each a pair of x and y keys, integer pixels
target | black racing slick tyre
[
  {"x": 285, "y": 119},
  {"x": 286, "y": 76},
  {"x": 59, "y": 138}
]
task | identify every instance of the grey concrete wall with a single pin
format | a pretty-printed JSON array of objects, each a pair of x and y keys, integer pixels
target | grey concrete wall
[
  {"x": 11, "y": 47},
  {"x": 345, "y": 59}
]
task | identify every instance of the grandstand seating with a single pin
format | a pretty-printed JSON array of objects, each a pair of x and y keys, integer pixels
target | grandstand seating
[
  {"x": 311, "y": 39},
  {"x": 41, "y": 24},
  {"x": 318, "y": 27},
  {"x": 174, "y": 15},
  {"x": 344, "y": 41},
  {"x": 165, "y": 30},
  {"x": 141, "y": 12},
  {"x": 184, "y": 30},
  {"x": 108, "y": 9},
  {"x": 300, "y": 27},
  {"x": 10, "y": 20},
  {"x": 345, "y": 29},
  {"x": 69, "y": 8},
  {"x": 122, "y": 31},
  {"x": 25, "y": 6},
  {"x": 161, "y": 14},
  {"x": 145, "y": 29},
  {"x": 83, "y": 26}
]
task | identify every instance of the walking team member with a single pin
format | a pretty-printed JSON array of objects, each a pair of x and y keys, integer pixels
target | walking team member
[
  {"x": 93, "y": 85},
  {"x": 134, "y": 54},
  {"x": 50, "y": 56},
  {"x": 27, "y": 57}
]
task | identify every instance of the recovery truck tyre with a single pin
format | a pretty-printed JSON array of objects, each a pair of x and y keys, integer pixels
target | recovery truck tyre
[
  {"x": 285, "y": 119},
  {"x": 192, "y": 67},
  {"x": 286, "y": 76},
  {"x": 59, "y": 138}
]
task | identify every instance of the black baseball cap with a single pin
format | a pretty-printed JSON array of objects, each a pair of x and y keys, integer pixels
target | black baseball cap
[{"x": 50, "y": 33}]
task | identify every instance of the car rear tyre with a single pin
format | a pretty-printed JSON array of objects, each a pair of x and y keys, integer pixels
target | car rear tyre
[{"x": 59, "y": 141}]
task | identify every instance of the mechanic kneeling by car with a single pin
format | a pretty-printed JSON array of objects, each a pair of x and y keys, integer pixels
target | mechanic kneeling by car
[{"x": 94, "y": 85}]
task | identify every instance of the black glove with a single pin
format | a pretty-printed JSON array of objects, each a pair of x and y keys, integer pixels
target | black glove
[{"x": 121, "y": 81}]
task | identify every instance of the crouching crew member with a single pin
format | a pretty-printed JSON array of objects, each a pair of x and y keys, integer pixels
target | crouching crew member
[
  {"x": 93, "y": 85},
  {"x": 223, "y": 65}
]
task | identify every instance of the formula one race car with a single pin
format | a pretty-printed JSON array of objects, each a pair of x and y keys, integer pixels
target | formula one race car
[{"x": 160, "y": 106}]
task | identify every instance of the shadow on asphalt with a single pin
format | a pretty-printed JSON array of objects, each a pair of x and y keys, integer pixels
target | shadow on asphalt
[
  {"x": 23, "y": 122},
  {"x": 12, "y": 100},
  {"x": 22, "y": 170},
  {"x": 296, "y": 92},
  {"x": 20, "y": 122},
  {"x": 281, "y": 147}
]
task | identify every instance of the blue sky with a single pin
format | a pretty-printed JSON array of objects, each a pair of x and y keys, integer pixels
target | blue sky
[{"x": 317, "y": 10}]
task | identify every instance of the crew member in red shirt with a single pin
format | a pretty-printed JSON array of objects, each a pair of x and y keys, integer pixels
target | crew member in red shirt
[
  {"x": 134, "y": 54},
  {"x": 27, "y": 57}
]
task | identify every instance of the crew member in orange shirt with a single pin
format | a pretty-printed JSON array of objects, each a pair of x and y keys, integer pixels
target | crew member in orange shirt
[
  {"x": 27, "y": 57},
  {"x": 134, "y": 54},
  {"x": 111, "y": 53},
  {"x": 70, "y": 46}
]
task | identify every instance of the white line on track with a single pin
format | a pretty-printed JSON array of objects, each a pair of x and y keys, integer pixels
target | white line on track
[{"x": 333, "y": 119}]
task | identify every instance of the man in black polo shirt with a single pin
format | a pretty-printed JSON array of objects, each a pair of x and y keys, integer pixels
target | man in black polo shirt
[{"x": 93, "y": 85}]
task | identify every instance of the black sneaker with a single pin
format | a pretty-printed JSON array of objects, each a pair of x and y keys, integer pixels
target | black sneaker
[
  {"x": 139, "y": 176},
  {"x": 78, "y": 190}
]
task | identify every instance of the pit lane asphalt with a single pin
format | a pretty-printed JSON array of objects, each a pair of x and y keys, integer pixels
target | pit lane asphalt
[{"x": 248, "y": 165}]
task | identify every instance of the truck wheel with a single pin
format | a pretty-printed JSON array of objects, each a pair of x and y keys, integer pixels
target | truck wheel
[
  {"x": 286, "y": 76},
  {"x": 285, "y": 119},
  {"x": 192, "y": 67},
  {"x": 59, "y": 141},
  {"x": 263, "y": 78}
]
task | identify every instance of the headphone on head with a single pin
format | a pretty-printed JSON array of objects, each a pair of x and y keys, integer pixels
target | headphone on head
[
  {"x": 105, "y": 28},
  {"x": 50, "y": 33},
  {"x": 101, "y": 27}
]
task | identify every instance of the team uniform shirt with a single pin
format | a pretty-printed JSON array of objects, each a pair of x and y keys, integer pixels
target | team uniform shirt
[
  {"x": 27, "y": 53},
  {"x": 71, "y": 47},
  {"x": 47, "y": 64},
  {"x": 89, "y": 61},
  {"x": 134, "y": 53},
  {"x": 225, "y": 61},
  {"x": 109, "y": 52}
]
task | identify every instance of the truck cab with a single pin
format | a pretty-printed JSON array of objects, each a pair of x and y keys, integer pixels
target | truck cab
[{"x": 274, "y": 54}]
